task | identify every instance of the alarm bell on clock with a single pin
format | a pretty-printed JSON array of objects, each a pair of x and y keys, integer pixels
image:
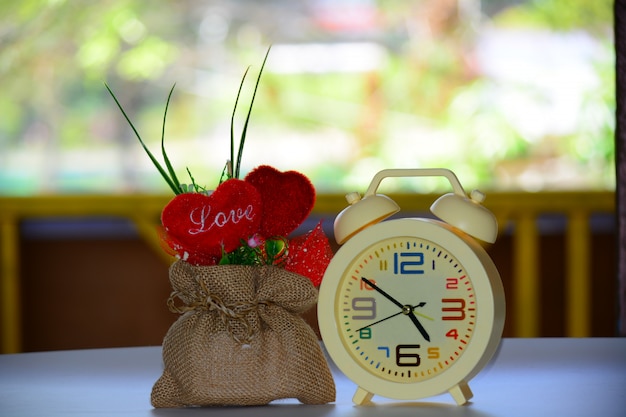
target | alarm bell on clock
[{"x": 456, "y": 209}]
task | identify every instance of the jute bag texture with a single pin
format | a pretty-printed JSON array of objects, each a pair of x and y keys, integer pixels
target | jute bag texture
[{"x": 240, "y": 339}]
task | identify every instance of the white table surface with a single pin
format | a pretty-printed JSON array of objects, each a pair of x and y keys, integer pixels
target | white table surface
[{"x": 528, "y": 377}]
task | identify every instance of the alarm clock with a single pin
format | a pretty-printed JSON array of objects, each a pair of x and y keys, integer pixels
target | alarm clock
[{"x": 411, "y": 308}]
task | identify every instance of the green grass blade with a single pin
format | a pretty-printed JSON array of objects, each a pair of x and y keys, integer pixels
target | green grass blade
[
  {"x": 245, "y": 126},
  {"x": 158, "y": 166},
  {"x": 170, "y": 169},
  {"x": 232, "y": 126},
  {"x": 194, "y": 185}
]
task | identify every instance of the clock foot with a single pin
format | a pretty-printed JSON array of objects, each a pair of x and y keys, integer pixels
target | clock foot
[
  {"x": 362, "y": 396},
  {"x": 461, "y": 393}
]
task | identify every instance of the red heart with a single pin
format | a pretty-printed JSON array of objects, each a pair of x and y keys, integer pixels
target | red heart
[
  {"x": 202, "y": 225},
  {"x": 288, "y": 198}
]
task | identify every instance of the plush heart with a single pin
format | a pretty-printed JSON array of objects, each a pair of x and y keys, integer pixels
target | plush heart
[
  {"x": 288, "y": 198},
  {"x": 201, "y": 224}
]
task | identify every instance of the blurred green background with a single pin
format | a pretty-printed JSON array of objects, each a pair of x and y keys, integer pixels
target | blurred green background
[{"x": 509, "y": 94}]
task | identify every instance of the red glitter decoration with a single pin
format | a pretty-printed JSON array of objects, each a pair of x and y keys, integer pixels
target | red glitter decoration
[{"x": 310, "y": 254}]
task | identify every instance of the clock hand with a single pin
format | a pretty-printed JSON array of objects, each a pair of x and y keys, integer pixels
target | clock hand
[
  {"x": 422, "y": 304},
  {"x": 380, "y": 321},
  {"x": 406, "y": 310},
  {"x": 417, "y": 323},
  {"x": 417, "y": 313},
  {"x": 383, "y": 293},
  {"x": 419, "y": 326}
]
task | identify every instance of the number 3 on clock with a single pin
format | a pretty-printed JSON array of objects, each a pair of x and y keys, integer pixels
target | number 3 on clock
[{"x": 455, "y": 307}]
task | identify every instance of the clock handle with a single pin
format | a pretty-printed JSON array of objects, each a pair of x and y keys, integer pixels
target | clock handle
[
  {"x": 415, "y": 172},
  {"x": 456, "y": 209}
]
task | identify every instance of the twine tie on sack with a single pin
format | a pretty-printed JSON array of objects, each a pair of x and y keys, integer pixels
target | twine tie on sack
[{"x": 203, "y": 300}]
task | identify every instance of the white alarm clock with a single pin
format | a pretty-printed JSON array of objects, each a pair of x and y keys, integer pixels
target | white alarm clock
[{"x": 412, "y": 307}]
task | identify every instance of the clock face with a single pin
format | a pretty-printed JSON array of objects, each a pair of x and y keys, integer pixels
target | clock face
[{"x": 405, "y": 309}]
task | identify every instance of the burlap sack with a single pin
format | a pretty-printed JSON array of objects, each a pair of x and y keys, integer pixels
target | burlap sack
[{"x": 240, "y": 339}]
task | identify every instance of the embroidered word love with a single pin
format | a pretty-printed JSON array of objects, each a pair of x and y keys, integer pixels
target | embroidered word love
[
  {"x": 201, "y": 226},
  {"x": 201, "y": 217}
]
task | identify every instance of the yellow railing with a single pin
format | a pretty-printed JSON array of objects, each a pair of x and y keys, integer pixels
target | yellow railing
[{"x": 516, "y": 210}]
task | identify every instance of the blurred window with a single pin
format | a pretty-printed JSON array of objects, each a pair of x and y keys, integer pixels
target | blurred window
[{"x": 509, "y": 94}]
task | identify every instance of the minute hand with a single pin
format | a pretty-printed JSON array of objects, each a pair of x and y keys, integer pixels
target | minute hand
[
  {"x": 408, "y": 310},
  {"x": 383, "y": 293},
  {"x": 419, "y": 326}
]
